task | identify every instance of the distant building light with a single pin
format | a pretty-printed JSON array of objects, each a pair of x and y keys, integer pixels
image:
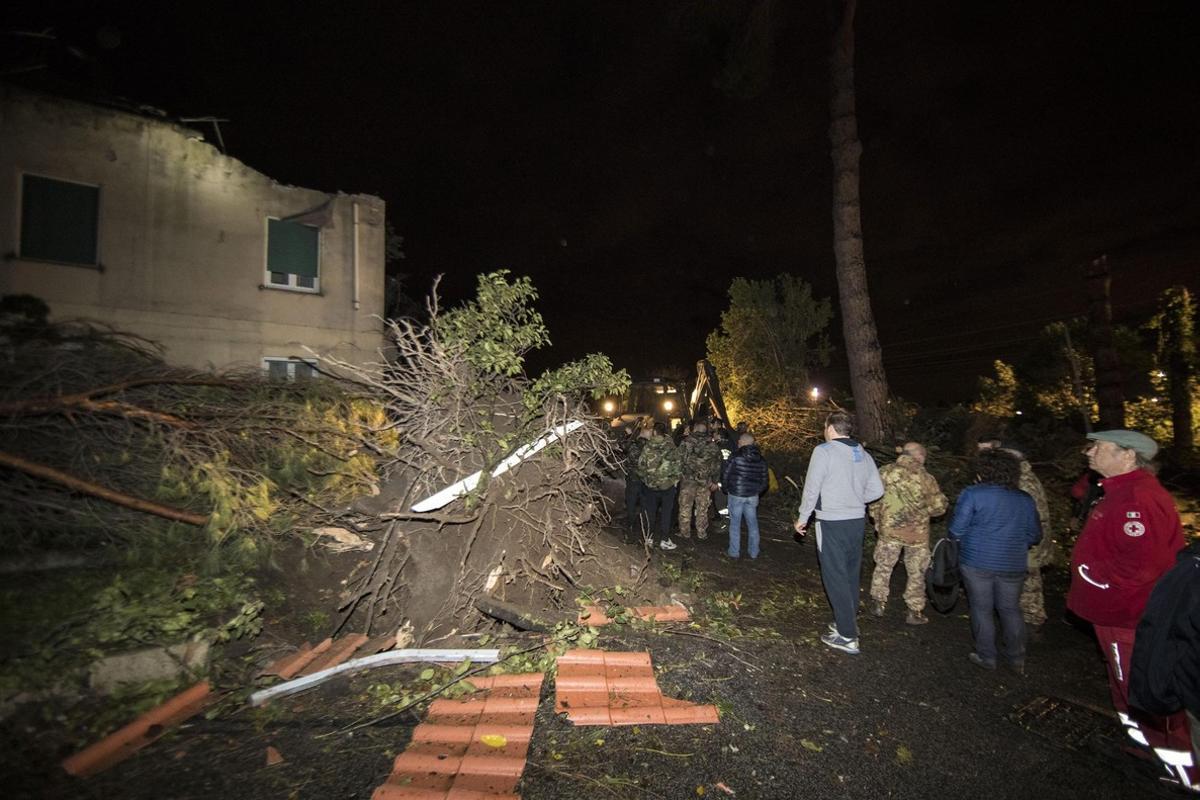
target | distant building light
[{"x": 815, "y": 393}]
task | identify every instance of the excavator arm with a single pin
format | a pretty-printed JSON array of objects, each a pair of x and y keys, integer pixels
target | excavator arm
[{"x": 706, "y": 398}]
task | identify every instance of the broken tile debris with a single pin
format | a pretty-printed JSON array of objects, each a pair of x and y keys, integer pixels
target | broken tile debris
[{"x": 595, "y": 615}]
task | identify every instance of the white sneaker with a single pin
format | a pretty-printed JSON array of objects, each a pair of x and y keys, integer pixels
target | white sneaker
[
  {"x": 839, "y": 642},
  {"x": 667, "y": 544}
]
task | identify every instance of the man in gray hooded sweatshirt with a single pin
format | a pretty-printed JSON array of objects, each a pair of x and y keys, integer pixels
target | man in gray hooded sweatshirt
[{"x": 842, "y": 478}]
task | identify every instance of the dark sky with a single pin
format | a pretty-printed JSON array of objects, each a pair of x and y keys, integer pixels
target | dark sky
[{"x": 587, "y": 145}]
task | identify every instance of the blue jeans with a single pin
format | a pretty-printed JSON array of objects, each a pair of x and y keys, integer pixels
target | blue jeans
[
  {"x": 995, "y": 593},
  {"x": 739, "y": 508}
]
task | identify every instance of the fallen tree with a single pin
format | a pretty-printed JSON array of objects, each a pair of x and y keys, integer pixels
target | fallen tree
[
  {"x": 460, "y": 403},
  {"x": 102, "y": 442}
]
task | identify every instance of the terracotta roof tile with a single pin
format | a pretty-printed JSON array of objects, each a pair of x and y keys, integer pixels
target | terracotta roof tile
[
  {"x": 126, "y": 741},
  {"x": 486, "y": 783},
  {"x": 643, "y": 715},
  {"x": 439, "y": 758},
  {"x": 689, "y": 714},
  {"x": 627, "y": 659},
  {"x": 470, "y": 794},
  {"x": 336, "y": 653},
  {"x": 581, "y": 657},
  {"x": 437, "y": 732}
]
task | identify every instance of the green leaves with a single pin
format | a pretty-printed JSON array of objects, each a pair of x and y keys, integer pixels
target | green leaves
[
  {"x": 593, "y": 375},
  {"x": 771, "y": 334},
  {"x": 494, "y": 331}
]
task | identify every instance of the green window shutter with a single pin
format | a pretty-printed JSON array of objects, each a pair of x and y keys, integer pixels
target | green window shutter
[
  {"x": 292, "y": 248},
  {"x": 59, "y": 220}
]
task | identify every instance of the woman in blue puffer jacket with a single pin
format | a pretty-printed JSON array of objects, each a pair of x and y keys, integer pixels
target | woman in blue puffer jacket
[{"x": 996, "y": 524}]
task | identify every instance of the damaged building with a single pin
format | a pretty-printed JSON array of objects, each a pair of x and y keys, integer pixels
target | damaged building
[{"x": 133, "y": 220}]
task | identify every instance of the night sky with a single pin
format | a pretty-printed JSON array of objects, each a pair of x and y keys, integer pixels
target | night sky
[{"x": 588, "y": 145}]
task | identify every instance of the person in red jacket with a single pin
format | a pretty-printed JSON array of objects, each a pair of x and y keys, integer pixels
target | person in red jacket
[{"x": 1127, "y": 544}]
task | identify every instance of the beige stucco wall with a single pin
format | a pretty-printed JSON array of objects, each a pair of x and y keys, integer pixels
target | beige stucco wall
[{"x": 182, "y": 240}]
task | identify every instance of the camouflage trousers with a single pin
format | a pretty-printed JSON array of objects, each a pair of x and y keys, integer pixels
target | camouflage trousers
[
  {"x": 1033, "y": 602},
  {"x": 916, "y": 561},
  {"x": 694, "y": 498}
]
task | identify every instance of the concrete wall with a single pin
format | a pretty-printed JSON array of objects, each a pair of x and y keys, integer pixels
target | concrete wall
[{"x": 182, "y": 240}]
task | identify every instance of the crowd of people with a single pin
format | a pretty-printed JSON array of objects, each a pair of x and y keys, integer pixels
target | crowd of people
[
  {"x": 1132, "y": 578},
  {"x": 710, "y": 461}
]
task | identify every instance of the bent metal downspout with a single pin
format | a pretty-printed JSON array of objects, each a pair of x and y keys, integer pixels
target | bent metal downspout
[
  {"x": 468, "y": 484},
  {"x": 489, "y": 656}
]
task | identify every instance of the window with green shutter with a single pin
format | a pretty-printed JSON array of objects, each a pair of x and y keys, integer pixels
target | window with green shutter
[
  {"x": 59, "y": 220},
  {"x": 293, "y": 255}
]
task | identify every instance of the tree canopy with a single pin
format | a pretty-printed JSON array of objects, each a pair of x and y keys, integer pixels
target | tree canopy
[{"x": 770, "y": 336}]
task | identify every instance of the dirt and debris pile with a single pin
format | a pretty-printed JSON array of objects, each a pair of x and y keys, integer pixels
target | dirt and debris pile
[{"x": 492, "y": 506}]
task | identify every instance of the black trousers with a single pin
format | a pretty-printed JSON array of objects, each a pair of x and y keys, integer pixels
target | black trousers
[{"x": 662, "y": 503}]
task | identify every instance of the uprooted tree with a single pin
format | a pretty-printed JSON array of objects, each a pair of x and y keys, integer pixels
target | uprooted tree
[
  {"x": 459, "y": 402},
  {"x": 101, "y": 442}
]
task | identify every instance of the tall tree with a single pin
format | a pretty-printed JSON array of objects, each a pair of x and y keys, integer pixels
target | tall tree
[
  {"x": 868, "y": 381},
  {"x": 1177, "y": 352},
  {"x": 1110, "y": 395},
  {"x": 771, "y": 334}
]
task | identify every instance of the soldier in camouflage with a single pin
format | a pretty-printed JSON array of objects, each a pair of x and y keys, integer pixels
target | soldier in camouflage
[
  {"x": 633, "y": 481},
  {"x": 660, "y": 469},
  {"x": 1033, "y": 601},
  {"x": 701, "y": 463},
  {"x": 910, "y": 497}
]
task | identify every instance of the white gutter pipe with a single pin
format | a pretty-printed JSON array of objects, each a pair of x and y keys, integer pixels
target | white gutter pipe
[
  {"x": 356, "y": 257},
  {"x": 467, "y": 484},
  {"x": 369, "y": 662}
]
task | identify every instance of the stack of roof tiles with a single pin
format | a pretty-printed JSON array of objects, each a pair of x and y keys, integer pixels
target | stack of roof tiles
[
  {"x": 469, "y": 748},
  {"x": 595, "y": 687}
]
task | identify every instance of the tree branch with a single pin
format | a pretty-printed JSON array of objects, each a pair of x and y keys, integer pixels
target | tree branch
[
  {"x": 57, "y": 403},
  {"x": 102, "y": 492}
]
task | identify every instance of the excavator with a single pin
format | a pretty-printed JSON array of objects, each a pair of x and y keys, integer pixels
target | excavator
[{"x": 667, "y": 400}]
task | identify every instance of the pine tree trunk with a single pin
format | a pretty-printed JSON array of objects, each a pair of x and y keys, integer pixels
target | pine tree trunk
[
  {"x": 1109, "y": 395},
  {"x": 867, "y": 378},
  {"x": 1178, "y": 337}
]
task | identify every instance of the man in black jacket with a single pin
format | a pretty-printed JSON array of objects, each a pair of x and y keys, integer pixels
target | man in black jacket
[
  {"x": 1164, "y": 669},
  {"x": 743, "y": 479}
]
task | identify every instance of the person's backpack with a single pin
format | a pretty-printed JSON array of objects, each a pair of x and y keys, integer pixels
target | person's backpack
[{"x": 942, "y": 576}]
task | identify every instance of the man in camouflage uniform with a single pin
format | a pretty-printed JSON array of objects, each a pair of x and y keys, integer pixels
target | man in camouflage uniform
[
  {"x": 910, "y": 497},
  {"x": 633, "y": 481},
  {"x": 1033, "y": 601},
  {"x": 660, "y": 469},
  {"x": 701, "y": 461}
]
